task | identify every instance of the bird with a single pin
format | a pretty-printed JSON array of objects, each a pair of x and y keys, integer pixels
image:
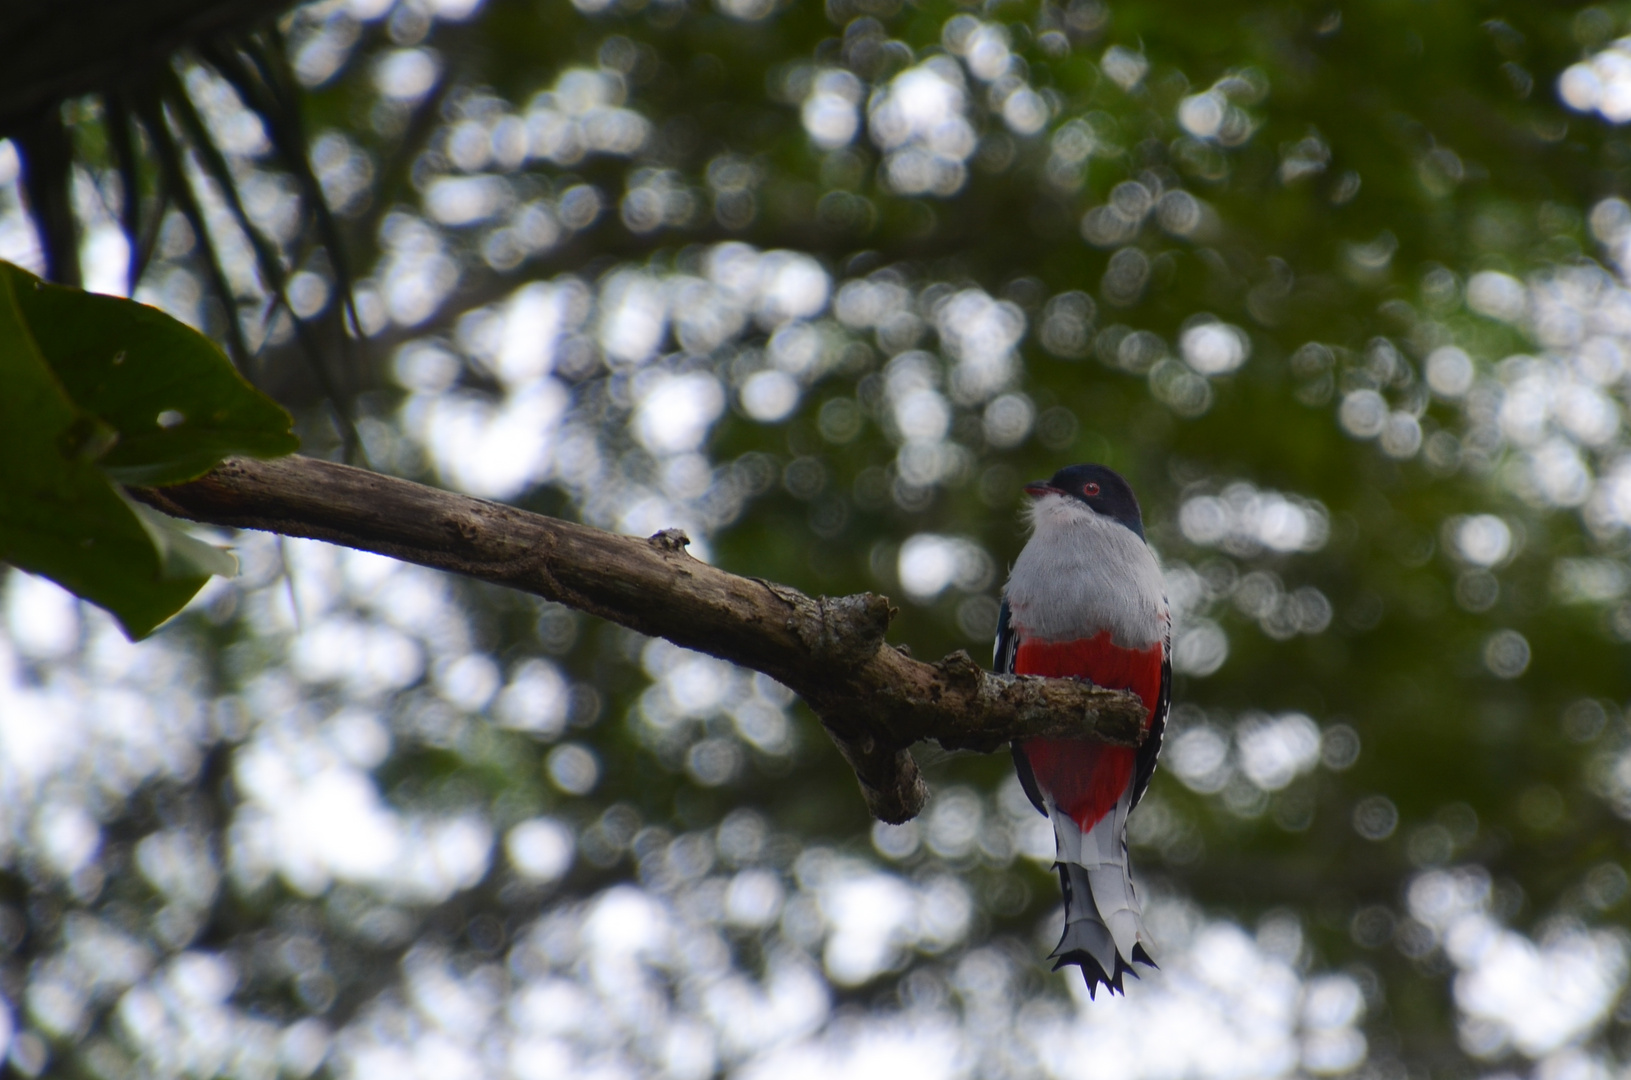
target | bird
[{"x": 1085, "y": 600}]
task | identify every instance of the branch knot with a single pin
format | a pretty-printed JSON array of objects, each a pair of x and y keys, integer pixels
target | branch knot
[
  {"x": 960, "y": 669},
  {"x": 463, "y": 525},
  {"x": 852, "y": 628},
  {"x": 670, "y": 540}
]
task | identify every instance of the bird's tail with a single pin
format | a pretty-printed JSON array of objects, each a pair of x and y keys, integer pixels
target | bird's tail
[{"x": 1104, "y": 928}]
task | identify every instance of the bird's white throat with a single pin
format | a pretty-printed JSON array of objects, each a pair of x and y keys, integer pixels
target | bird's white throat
[{"x": 1083, "y": 573}]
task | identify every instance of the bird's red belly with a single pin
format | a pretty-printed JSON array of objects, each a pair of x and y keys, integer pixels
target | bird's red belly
[{"x": 1086, "y": 778}]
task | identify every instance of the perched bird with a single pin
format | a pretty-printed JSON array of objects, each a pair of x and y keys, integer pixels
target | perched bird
[{"x": 1085, "y": 600}]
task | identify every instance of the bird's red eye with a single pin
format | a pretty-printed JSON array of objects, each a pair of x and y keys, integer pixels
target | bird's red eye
[{"x": 1090, "y": 489}]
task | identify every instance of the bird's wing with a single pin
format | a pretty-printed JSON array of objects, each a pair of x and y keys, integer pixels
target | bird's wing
[
  {"x": 1007, "y": 643},
  {"x": 1150, "y": 749},
  {"x": 1002, "y": 662}
]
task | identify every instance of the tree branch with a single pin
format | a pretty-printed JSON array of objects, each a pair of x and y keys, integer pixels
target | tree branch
[{"x": 873, "y": 699}]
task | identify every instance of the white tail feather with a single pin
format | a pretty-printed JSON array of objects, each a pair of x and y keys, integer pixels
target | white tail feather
[{"x": 1103, "y": 918}]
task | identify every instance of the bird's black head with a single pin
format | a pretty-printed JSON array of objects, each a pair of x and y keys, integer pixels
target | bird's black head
[{"x": 1100, "y": 487}]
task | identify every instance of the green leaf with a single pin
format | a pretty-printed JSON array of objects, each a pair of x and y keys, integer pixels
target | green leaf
[
  {"x": 59, "y": 514},
  {"x": 100, "y": 392},
  {"x": 176, "y": 404}
]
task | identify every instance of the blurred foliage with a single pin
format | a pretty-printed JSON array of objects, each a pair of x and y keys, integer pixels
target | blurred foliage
[{"x": 1339, "y": 289}]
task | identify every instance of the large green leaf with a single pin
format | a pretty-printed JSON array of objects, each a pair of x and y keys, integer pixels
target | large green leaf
[
  {"x": 177, "y": 405},
  {"x": 59, "y": 515},
  {"x": 101, "y": 391}
]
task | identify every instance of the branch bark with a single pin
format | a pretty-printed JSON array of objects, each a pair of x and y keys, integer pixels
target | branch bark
[{"x": 873, "y": 699}]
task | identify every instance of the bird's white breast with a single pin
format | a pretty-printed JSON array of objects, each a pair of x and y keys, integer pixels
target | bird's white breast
[{"x": 1083, "y": 573}]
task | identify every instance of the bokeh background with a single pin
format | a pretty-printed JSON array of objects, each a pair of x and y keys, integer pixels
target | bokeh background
[{"x": 1342, "y": 290}]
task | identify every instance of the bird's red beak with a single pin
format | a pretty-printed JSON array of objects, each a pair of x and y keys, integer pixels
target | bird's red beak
[{"x": 1038, "y": 488}]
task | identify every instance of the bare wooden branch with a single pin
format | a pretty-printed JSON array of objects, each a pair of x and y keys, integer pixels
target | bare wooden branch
[{"x": 873, "y": 699}]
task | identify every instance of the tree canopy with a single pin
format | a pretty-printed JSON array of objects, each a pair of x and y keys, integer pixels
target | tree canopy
[{"x": 1341, "y": 290}]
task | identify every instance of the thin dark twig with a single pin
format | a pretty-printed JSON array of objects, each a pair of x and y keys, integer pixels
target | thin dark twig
[
  {"x": 266, "y": 256},
  {"x": 121, "y": 139},
  {"x": 143, "y": 245},
  {"x": 48, "y": 176},
  {"x": 169, "y": 153},
  {"x": 246, "y": 70}
]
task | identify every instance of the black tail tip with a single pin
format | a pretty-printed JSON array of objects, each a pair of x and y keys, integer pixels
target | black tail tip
[{"x": 1093, "y": 972}]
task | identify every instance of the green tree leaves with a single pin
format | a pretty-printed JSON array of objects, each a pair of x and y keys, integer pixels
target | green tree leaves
[{"x": 100, "y": 392}]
